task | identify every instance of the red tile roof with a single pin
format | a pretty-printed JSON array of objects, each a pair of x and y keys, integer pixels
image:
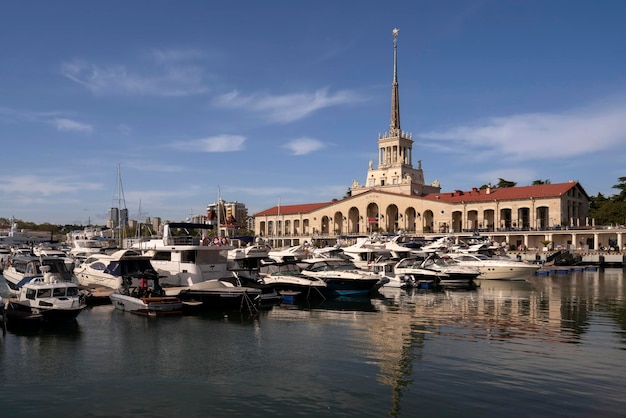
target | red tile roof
[
  {"x": 292, "y": 209},
  {"x": 505, "y": 193},
  {"x": 458, "y": 196}
]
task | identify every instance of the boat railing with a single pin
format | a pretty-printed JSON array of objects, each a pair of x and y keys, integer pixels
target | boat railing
[{"x": 183, "y": 240}]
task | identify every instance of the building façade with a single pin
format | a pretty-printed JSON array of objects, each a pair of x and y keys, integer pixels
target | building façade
[{"x": 395, "y": 198}]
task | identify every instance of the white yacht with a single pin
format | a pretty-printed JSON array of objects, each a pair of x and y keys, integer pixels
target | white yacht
[
  {"x": 288, "y": 254},
  {"x": 342, "y": 277},
  {"x": 452, "y": 272},
  {"x": 22, "y": 269},
  {"x": 109, "y": 270},
  {"x": 365, "y": 252},
  {"x": 411, "y": 273},
  {"x": 496, "y": 268},
  {"x": 244, "y": 262},
  {"x": 4, "y": 257},
  {"x": 194, "y": 267},
  {"x": 287, "y": 279},
  {"x": 44, "y": 298},
  {"x": 183, "y": 257}
]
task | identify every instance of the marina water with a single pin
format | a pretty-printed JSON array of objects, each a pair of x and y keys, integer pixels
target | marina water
[{"x": 552, "y": 346}]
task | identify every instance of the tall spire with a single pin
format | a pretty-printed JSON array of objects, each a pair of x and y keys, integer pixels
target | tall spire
[{"x": 394, "y": 128}]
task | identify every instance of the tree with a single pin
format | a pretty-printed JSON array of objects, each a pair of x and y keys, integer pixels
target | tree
[
  {"x": 609, "y": 212},
  {"x": 621, "y": 197},
  {"x": 538, "y": 182},
  {"x": 502, "y": 183}
]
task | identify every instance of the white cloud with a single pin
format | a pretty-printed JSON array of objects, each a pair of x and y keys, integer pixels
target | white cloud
[
  {"x": 220, "y": 143},
  {"x": 171, "y": 80},
  {"x": 302, "y": 146},
  {"x": 541, "y": 136},
  {"x": 20, "y": 186},
  {"x": 72, "y": 125},
  {"x": 287, "y": 108}
]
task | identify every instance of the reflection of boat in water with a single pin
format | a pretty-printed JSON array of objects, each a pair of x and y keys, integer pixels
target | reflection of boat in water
[
  {"x": 504, "y": 288},
  {"x": 339, "y": 303}
]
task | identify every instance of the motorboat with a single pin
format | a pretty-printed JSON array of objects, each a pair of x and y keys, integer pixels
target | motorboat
[
  {"x": 386, "y": 269},
  {"x": 4, "y": 257},
  {"x": 44, "y": 298},
  {"x": 438, "y": 245},
  {"x": 102, "y": 273},
  {"x": 342, "y": 277},
  {"x": 184, "y": 257},
  {"x": 365, "y": 252},
  {"x": 496, "y": 268},
  {"x": 410, "y": 273},
  {"x": 288, "y": 281},
  {"x": 90, "y": 240},
  {"x": 46, "y": 251},
  {"x": 194, "y": 267},
  {"x": 244, "y": 263},
  {"x": 16, "y": 237},
  {"x": 22, "y": 269},
  {"x": 293, "y": 253},
  {"x": 452, "y": 272},
  {"x": 221, "y": 295},
  {"x": 398, "y": 251},
  {"x": 145, "y": 299}
]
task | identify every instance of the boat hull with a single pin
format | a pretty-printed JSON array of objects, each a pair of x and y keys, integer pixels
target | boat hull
[
  {"x": 23, "y": 315},
  {"x": 221, "y": 295},
  {"x": 148, "y": 306},
  {"x": 507, "y": 273},
  {"x": 350, "y": 287}
]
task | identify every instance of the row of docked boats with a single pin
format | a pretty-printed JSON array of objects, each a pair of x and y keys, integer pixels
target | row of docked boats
[
  {"x": 409, "y": 262},
  {"x": 186, "y": 270},
  {"x": 179, "y": 272}
]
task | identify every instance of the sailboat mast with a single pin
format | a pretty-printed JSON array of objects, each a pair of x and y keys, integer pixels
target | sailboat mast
[
  {"x": 219, "y": 212},
  {"x": 120, "y": 207}
]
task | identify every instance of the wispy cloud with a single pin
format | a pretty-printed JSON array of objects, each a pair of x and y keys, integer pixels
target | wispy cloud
[
  {"x": 9, "y": 115},
  {"x": 171, "y": 73},
  {"x": 172, "y": 55},
  {"x": 303, "y": 146},
  {"x": 287, "y": 108},
  {"x": 541, "y": 135},
  {"x": 43, "y": 185},
  {"x": 72, "y": 125},
  {"x": 219, "y": 143}
]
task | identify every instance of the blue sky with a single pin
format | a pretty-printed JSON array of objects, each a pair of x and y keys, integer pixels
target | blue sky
[{"x": 284, "y": 100}]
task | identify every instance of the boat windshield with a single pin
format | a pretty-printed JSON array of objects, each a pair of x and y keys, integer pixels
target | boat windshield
[{"x": 332, "y": 265}]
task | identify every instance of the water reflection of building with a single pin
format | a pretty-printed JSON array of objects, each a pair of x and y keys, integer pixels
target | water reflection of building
[{"x": 535, "y": 316}]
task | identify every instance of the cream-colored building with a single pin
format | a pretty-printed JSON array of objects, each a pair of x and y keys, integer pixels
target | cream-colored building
[{"x": 395, "y": 198}]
